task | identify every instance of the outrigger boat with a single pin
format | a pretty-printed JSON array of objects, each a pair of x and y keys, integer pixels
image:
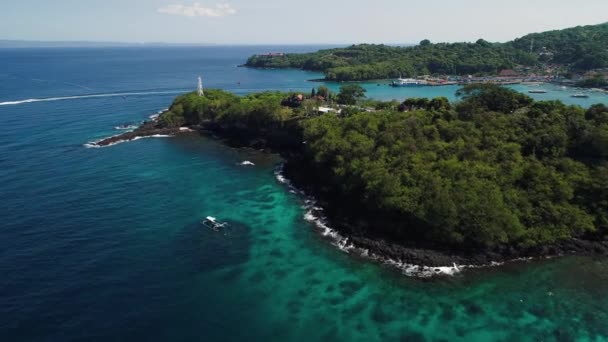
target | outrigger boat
[{"x": 212, "y": 223}]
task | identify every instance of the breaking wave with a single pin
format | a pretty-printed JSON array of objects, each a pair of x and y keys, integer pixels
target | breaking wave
[{"x": 126, "y": 127}]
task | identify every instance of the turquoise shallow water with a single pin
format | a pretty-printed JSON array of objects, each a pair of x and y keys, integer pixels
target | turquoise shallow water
[
  {"x": 383, "y": 91},
  {"x": 104, "y": 244}
]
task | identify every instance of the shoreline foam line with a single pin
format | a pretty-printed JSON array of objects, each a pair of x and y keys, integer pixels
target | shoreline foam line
[{"x": 76, "y": 97}]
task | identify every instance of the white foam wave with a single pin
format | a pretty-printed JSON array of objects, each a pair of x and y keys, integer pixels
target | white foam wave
[
  {"x": 95, "y": 144},
  {"x": 281, "y": 178},
  {"x": 126, "y": 127},
  {"x": 155, "y": 116},
  {"x": 63, "y": 98}
]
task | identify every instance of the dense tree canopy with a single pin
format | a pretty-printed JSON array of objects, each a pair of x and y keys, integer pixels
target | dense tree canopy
[
  {"x": 350, "y": 94},
  {"x": 582, "y": 47},
  {"x": 364, "y": 62},
  {"x": 505, "y": 170},
  {"x": 256, "y": 111}
]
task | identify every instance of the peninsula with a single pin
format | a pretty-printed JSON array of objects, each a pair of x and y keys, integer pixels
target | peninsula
[{"x": 493, "y": 177}]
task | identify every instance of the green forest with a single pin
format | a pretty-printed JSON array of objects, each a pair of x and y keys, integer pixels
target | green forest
[
  {"x": 258, "y": 111},
  {"x": 580, "y": 48},
  {"x": 495, "y": 168}
]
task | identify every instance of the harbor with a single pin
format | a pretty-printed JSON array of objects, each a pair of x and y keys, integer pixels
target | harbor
[
  {"x": 382, "y": 90},
  {"x": 539, "y": 87}
]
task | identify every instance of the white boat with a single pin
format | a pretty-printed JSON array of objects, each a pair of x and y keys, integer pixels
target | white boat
[
  {"x": 212, "y": 223},
  {"x": 580, "y": 95},
  {"x": 408, "y": 82}
]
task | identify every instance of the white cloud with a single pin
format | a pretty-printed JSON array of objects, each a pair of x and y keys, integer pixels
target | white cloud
[{"x": 197, "y": 10}]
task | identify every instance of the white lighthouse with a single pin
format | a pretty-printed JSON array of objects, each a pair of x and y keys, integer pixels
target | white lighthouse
[{"x": 200, "y": 87}]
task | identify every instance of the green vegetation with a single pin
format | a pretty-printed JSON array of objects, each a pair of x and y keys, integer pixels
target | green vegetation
[
  {"x": 499, "y": 168},
  {"x": 350, "y": 94},
  {"x": 594, "y": 82},
  {"x": 495, "y": 168},
  {"x": 259, "y": 111},
  {"x": 581, "y": 48},
  {"x": 366, "y": 62}
]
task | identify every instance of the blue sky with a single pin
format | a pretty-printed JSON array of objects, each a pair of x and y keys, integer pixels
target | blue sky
[{"x": 289, "y": 21}]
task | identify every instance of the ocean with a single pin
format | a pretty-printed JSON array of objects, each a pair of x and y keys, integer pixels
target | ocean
[{"x": 105, "y": 244}]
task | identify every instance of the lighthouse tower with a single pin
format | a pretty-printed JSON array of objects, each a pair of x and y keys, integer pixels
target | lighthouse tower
[{"x": 200, "y": 87}]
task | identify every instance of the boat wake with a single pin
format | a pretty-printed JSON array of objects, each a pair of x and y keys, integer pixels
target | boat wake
[
  {"x": 314, "y": 214},
  {"x": 63, "y": 98}
]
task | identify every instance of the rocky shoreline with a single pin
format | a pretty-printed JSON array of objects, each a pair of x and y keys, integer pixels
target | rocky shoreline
[{"x": 146, "y": 129}]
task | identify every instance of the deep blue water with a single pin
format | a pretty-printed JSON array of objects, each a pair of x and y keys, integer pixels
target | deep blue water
[{"x": 105, "y": 244}]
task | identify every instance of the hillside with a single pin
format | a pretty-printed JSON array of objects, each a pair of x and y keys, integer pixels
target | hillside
[{"x": 580, "y": 48}]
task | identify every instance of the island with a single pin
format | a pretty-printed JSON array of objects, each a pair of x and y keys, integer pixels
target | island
[
  {"x": 495, "y": 176},
  {"x": 570, "y": 56}
]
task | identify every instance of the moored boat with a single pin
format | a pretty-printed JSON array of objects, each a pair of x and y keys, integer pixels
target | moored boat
[{"x": 408, "y": 82}]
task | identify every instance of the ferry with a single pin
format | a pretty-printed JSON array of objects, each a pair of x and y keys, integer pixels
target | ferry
[
  {"x": 408, "y": 82},
  {"x": 580, "y": 95},
  {"x": 537, "y": 91}
]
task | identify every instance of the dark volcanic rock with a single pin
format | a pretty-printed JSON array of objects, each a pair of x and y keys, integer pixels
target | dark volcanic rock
[{"x": 147, "y": 129}]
